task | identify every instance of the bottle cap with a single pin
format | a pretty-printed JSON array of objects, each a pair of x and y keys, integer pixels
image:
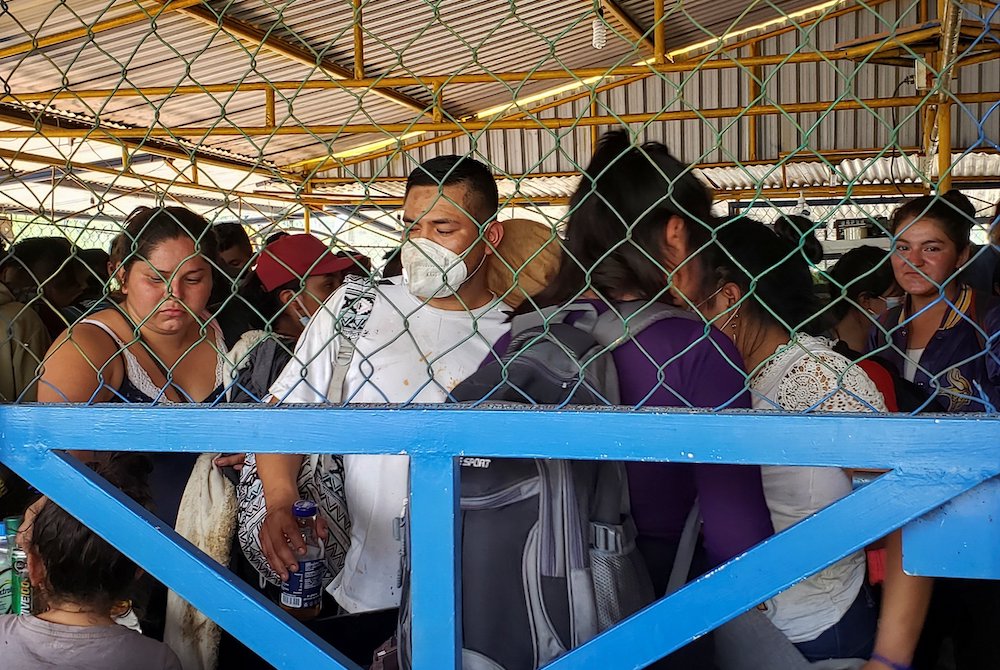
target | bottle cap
[{"x": 304, "y": 508}]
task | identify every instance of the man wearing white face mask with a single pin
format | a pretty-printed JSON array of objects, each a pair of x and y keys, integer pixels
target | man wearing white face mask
[{"x": 422, "y": 337}]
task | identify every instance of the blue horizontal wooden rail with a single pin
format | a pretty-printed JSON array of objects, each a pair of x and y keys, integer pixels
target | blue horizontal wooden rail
[{"x": 933, "y": 460}]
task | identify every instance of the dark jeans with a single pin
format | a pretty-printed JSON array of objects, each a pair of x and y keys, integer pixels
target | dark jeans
[
  {"x": 967, "y": 611},
  {"x": 851, "y": 637},
  {"x": 658, "y": 554}
]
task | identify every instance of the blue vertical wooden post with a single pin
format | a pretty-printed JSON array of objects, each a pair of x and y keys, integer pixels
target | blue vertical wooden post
[{"x": 435, "y": 590}]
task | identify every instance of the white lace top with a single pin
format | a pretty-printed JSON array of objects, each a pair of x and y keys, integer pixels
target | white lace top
[
  {"x": 807, "y": 375},
  {"x": 140, "y": 379}
]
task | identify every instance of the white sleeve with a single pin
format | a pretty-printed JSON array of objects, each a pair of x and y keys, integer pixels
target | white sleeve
[
  {"x": 306, "y": 378},
  {"x": 827, "y": 382}
]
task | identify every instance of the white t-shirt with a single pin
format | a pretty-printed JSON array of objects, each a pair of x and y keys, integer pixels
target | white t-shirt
[
  {"x": 408, "y": 352},
  {"x": 808, "y": 376},
  {"x": 911, "y": 362}
]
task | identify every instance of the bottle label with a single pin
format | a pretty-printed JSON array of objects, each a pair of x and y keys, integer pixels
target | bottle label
[
  {"x": 304, "y": 587},
  {"x": 6, "y": 590},
  {"x": 21, "y": 585}
]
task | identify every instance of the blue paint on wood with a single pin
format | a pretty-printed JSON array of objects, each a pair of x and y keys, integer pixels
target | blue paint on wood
[
  {"x": 836, "y": 531},
  {"x": 768, "y": 438},
  {"x": 961, "y": 539},
  {"x": 248, "y": 616},
  {"x": 435, "y": 594},
  {"x": 925, "y": 476}
]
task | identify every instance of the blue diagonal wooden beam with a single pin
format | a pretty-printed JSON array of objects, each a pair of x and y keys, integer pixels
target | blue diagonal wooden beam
[
  {"x": 257, "y": 623},
  {"x": 836, "y": 531}
]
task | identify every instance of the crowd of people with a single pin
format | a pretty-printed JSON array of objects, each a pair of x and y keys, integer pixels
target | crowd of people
[{"x": 197, "y": 316}]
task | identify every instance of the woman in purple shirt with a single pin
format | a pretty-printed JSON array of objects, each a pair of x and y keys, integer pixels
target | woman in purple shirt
[{"x": 635, "y": 218}]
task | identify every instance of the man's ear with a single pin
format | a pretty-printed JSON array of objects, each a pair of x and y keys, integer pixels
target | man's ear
[
  {"x": 286, "y": 296},
  {"x": 493, "y": 235}
]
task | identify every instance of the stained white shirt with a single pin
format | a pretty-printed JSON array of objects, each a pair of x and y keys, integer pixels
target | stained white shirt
[{"x": 408, "y": 353}]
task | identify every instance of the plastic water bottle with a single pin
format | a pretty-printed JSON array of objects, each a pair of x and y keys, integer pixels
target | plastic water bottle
[
  {"x": 302, "y": 594},
  {"x": 21, "y": 584}
]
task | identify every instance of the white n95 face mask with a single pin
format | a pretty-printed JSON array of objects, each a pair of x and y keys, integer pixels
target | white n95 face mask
[{"x": 432, "y": 271}]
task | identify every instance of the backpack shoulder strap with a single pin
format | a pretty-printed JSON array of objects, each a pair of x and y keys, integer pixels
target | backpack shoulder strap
[
  {"x": 555, "y": 314},
  {"x": 359, "y": 297},
  {"x": 685, "y": 550},
  {"x": 614, "y": 328}
]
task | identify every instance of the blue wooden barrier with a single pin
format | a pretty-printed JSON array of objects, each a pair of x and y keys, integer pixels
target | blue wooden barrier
[{"x": 932, "y": 461}]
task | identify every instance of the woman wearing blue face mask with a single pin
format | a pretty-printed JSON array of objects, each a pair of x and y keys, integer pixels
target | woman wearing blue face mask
[
  {"x": 862, "y": 289},
  {"x": 297, "y": 273}
]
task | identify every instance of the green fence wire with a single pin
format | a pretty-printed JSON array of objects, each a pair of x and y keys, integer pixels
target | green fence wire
[{"x": 266, "y": 117}]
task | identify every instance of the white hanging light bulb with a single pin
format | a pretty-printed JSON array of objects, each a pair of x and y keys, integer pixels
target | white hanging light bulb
[
  {"x": 600, "y": 38},
  {"x": 802, "y": 207}
]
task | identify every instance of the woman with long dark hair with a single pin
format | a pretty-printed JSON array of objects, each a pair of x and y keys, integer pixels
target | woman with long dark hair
[
  {"x": 158, "y": 345},
  {"x": 758, "y": 289},
  {"x": 635, "y": 220}
]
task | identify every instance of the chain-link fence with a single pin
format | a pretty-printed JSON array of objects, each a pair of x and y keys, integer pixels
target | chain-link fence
[{"x": 768, "y": 205}]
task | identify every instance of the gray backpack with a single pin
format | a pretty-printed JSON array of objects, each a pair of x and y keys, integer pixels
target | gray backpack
[{"x": 548, "y": 547}]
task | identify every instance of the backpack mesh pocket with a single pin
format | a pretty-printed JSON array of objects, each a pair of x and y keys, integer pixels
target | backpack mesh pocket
[{"x": 621, "y": 583}]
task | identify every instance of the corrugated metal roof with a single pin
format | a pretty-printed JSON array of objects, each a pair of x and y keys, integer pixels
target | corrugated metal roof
[
  {"x": 727, "y": 140},
  {"x": 456, "y": 36},
  {"x": 690, "y": 21}
]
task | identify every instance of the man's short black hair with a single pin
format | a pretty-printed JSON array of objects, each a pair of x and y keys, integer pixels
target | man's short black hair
[
  {"x": 231, "y": 235},
  {"x": 441, "y": 171}
]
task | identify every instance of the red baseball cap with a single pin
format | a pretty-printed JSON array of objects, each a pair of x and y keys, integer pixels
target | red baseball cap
[{"x": 295, "y": 257}]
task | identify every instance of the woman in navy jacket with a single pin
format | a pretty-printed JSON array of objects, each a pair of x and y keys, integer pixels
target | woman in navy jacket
[
  {"x": 945, "y": 336},
  {"x": 946, "y": 339}
]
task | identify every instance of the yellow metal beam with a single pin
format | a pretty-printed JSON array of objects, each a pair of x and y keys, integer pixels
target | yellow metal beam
[
  {"x": 944, "y": 146},
  {"x": 859, "y": 190},
  {"x": 359, "y": 42},
  {"x": 640, "y": 36},
  {"x": 430, "y": 81},
  {"x": 940, "y": 134},
  {"x": 754, "y": 74},
  {"x": 801, "y": 25},
  {"x": 976, "y": 59},
  {"x": 200, "y": 132},
  {"x": 659, "y": 32},
  {"x": 76, "y": 167},
  {"x": 43, "y": 127},
  {"x": 158, "y": 9},
  {"x": 327, "y": 162}
]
